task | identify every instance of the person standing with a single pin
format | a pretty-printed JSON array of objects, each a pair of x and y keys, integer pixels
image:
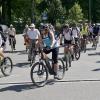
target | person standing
[{"x": 12, "y": 34}]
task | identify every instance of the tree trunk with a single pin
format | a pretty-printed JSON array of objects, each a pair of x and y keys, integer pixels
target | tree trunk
[{"x": 9, "y": 11}]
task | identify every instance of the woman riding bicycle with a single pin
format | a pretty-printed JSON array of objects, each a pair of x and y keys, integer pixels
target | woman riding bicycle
[
  {"x": 1, "y": 49},
  {"x": 50, "y": 45}
]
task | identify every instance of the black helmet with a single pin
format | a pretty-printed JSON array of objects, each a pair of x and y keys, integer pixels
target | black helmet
[{"x": 46, "y": 26}]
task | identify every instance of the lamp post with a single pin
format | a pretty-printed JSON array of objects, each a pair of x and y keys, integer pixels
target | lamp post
[{"x": 90, "y": 11}]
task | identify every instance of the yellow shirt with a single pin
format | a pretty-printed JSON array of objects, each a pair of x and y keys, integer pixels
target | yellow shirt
[{"x": 84, "y": 30}]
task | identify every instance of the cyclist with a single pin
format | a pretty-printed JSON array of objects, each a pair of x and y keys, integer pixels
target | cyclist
[
  {"x": 84, "y": 35},
  {"x": 12, "y": 34},
  {"x": 25, "y": 33},
  {"x": 95, "y": 34},
  {"x": 51, "y": 45},
  {"x": 75, "y": 32},
  {"x": 90, "y": 32},
  {"x": 67, "y": 39},
  {"x": 34, "y": 36},
  {"x": 1, "y": 49}
]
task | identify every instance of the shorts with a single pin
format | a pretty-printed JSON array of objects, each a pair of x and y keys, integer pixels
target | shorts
[
  {"x": 55, "y": 52},
  {"x": 94, "y": 35},
  {"x": 67, "y": 41}
]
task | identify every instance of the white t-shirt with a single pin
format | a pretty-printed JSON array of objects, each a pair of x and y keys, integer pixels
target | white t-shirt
[
  {"x": 33, "y": 34},
  {"x": 67, "y": 35},
  {"x": 75, "y": 33},
  {"x": 12, "y": 31},
  {"x": 90, "y": 29}
]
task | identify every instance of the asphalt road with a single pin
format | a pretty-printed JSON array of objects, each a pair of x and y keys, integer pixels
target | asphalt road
[{"x": 81, "y": 81}]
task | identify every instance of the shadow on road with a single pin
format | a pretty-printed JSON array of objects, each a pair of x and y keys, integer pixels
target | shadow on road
[
  {"x": 94, "y": 54},
  {"x": 90, "y": 49},
  {"x": 61, "y": 53},
  {"x": 22, "y": 65},
  {"x": 97, "y": 61},
  {"x": 20, "y": 51},
  {"x": 98, "y": 69},
  {"x": 19, "y": 87}
]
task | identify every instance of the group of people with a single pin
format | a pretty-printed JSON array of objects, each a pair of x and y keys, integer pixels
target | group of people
[
  {"x": 50, "y": 38},
  {"x": 46, "y": 37}
]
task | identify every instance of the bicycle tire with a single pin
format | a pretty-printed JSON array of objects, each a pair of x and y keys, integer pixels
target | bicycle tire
[
  {"x": 84, "y": 48},
  {"x": 40, "y": 73},
  {"x": 33, "y": 58},
  {"x": 12, "y": 45},
  {"x": 77, "y": 52},
  {"x": 68, "y": 60},
  {"x": 4, "y": 66},
  {"x": 60, "y": 67}
]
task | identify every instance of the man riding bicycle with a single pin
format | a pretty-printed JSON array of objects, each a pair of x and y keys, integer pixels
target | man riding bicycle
[
  {"x": 34, "y": 36},
  {"x": 95, "y": 34}
]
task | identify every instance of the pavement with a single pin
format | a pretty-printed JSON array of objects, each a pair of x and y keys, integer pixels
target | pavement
[{"x": 81, "y": 81}]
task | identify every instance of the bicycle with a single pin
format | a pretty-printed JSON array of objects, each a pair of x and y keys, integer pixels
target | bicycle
[
  {"x": 32, "y": 51},
  {"x": 68, "y": 58},
  {"x": 12, "y": 43},
  {"x": 83, "y": 43},
  {"x": 95, "y": 42},
  {"x": 43, "y": 67},
  {"x": 6, "y": 66},
  {"x": 77, "y": 49}
]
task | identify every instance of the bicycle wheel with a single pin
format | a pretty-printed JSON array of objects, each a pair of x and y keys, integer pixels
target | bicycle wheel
[
  {"x": 68, "y": 60},
  {"x": 77, "y": 52},
  {"x": 7, "y": 66},
  {"x": 12, "y": 48},
  {"x": 33, "y": 56},
  {"x": 61, "y": 69},
  {"x": 39, "y": 74},
  {"x": 84, "y": 47}
]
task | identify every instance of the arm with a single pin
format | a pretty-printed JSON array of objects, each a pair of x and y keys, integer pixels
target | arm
[
  {"x": 61, "y": 38},
  {"x": 0, "y": 40},
  {"x": 52, "y": 38}
]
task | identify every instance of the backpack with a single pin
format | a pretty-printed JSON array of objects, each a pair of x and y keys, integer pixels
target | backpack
[
  {"x": 4, "y": 38},
  {"x": 72, "y": 32},
  {"x": 95, "y": 29}
]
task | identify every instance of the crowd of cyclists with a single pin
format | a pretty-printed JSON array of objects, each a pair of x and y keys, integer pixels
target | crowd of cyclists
[{"x": 51, "y": 38}]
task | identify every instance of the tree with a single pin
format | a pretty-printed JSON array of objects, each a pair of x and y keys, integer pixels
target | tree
[
  {"x": 96, "y": 11},
  {"x": 55, "y": 11},
  {"x": 75, "y": 13}
]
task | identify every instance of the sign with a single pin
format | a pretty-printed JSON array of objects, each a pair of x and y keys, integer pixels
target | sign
[{"x": 44, "y": 16}]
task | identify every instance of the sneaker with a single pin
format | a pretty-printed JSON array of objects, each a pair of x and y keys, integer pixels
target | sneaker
[
  {"x": 56, "y": 77},
  {"x": 29, "y": 59},
  {"x": 24, "y": 43}
]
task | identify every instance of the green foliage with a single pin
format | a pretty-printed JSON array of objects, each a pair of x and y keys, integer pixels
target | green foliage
[
  {"x": 55, "y": 11},
  {"x": 75, "y": 13},
  {"x": 58, "y": 11},
  {"x": 96, "y": 11}
]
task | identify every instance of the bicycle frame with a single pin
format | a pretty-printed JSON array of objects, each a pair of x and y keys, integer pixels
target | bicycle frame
[{"x": 46, "y": 61}]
